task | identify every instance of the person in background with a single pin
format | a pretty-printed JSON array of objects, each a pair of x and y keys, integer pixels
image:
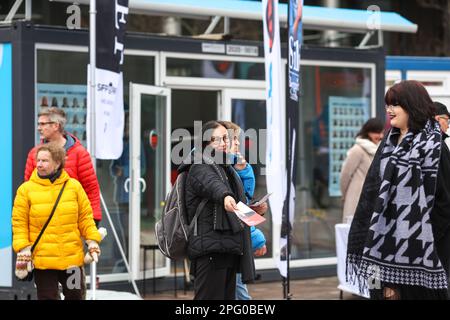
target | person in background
[
  {"x": 50, "y": 125},
  {"x": 357, "y": 163},
  {"x": 245, "y": 172},
  {"x": 59, "y": 255},
  {"x": 399, "y": 238},
  {"x": 443, "y": 117},
  {"x": 441, "y": 214}
]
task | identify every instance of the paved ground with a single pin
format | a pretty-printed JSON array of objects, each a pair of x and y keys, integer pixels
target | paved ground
[{"x": 309, "y": 289}]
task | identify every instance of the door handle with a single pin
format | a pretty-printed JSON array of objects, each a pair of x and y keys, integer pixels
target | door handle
[
  {"x": 126, "y": 184},
  {"x": 144, "y": 184}
]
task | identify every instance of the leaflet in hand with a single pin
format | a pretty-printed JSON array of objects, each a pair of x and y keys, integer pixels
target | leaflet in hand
[
  {"x": 246, "y": 214},
  {"x": 257, "y": 203}
]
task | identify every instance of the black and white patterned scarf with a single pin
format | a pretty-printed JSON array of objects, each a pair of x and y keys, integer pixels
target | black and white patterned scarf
[{"x": 394, "y": 242}]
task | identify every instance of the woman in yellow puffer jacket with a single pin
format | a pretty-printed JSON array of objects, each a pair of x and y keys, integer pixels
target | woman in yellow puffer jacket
[{"x": 59, "y": 254}]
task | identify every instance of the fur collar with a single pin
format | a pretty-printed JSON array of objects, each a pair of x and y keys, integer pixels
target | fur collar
[{"x": 367, "y": 145}]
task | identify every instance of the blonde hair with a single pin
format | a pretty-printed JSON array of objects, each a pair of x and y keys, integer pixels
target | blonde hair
[
  {"x": 231, "y": 126},
  {"x": 57, "y": 153}
]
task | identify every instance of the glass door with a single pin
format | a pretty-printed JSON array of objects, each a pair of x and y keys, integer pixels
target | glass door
[
  {"x": 247, "y": 108},
  {"x": 149, "y": 176}
]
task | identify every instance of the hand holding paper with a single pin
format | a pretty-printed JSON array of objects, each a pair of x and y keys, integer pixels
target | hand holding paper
[
  {"x": 259, "y": 202},
  {"x": 247, "y": 215}
]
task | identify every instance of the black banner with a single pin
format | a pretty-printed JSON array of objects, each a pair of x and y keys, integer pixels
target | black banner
[{"x": 110, "y": 33}]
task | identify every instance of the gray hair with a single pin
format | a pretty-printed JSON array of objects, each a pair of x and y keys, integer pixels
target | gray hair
[{"x": 56, "y": 115}]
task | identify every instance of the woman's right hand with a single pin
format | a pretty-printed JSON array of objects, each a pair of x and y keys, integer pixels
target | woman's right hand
[
  {"x": 230, "y": 204},
  {"x": 241, "y": 162},
  {"x": 261, "y": 251}
]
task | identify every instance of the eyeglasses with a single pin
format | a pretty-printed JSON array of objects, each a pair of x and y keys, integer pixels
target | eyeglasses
[
  {"x": 391, "y": 107},
  {"x": 219, "y": 139},
  {"x": 41, "y": 124},
  {"x": 445, "y": 118}
]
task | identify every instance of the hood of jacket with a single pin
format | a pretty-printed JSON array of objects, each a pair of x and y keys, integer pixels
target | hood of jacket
[
  {"x": 367, "y": 145},
  {"x": 71, "y": 141}
]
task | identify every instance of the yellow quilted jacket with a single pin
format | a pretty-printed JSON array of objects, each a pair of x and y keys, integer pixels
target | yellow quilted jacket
[{"x": 60, "y": 247}]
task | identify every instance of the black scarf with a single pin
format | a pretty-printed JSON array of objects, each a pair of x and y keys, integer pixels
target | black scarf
[
  {"x": 391, "y": 238},
  {"x": 52, "y": 176}
]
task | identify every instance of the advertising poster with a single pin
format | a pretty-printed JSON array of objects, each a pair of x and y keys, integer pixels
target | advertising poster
[
  {"x": 72, "y": 99},
  {"x": 6, "y": 165},
  {"x": 276, "y": 121},
  {"x": 346, "y": 117},
  {"x": 107, "y": 97}
]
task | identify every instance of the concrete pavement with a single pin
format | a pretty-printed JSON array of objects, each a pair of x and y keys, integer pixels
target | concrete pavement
[{"x": 324, "y": 288}]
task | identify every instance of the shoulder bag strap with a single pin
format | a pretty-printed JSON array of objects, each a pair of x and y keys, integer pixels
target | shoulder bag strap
[{"x": 49, "y": 218}]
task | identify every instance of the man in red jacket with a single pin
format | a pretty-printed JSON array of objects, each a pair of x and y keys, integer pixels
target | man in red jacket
[{"x": 78, "y": 161}]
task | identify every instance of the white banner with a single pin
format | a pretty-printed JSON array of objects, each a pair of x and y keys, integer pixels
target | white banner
[
  {"x": 109, "y": 114},
  {"x": 275, "y": 106}
]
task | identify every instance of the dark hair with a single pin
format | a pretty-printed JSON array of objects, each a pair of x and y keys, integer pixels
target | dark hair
[
  {"x": 207, "y": 129},
  {"x": 414, "y": 99},
  {"x": 371, "y": 125}
]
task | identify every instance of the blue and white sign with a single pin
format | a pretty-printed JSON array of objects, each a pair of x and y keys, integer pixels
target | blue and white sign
[
  {"x": 295, "y": 41},
  {"x": 6, "y": 165},
  {"x": 72, "y": 99},
  {"x": 346, "y": 117}
]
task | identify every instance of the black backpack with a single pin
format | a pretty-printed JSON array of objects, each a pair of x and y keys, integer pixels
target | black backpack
[{"x": 173, "y": 230}]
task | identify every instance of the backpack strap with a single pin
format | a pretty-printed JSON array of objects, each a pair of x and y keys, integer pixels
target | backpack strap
[{"x": 197, "y": 213}]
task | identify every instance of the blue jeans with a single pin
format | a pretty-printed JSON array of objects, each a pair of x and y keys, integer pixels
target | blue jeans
[{"x": 241, "y": 289}]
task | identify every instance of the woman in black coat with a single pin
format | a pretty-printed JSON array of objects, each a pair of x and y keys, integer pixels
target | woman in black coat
[
  {"x": 399, "y": 240},
  {"x": 219, "y": 244}
]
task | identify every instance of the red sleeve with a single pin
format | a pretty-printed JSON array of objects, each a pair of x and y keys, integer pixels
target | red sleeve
[
  {"x": 31, "y": 164},
  {"x": 88, "y": 179}
]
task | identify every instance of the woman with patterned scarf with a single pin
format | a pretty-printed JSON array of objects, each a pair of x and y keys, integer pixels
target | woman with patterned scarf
[{"x": 398, "y": 246}]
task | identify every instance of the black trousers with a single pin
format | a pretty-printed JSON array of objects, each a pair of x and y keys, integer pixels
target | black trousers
[
  {"x": 72, "y": 281},
  {"x": 215, "y": 277},
  {"x": 443, "y": 251}
]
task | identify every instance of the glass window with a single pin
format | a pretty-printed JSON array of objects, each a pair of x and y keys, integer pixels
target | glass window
[
  {"x": 215, "y": 69},
  {"x": 334, "y": 105},
  {"x": 61, "y": 82}
]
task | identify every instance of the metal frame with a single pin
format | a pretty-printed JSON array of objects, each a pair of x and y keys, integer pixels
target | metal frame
[
  {"x": 136, "y": 91},
  {"x": 368, "y": 35},
  {"x": 13, "y": 11},
  {"x": 214, "y": 21}
]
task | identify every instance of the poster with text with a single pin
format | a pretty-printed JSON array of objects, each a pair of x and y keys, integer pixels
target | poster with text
[
  {"x": 72, "y": 99},
  {"x": 346, "y": 117}
]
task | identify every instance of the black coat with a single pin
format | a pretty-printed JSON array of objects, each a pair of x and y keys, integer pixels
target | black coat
[
  {"x": 440, "y": 215},
  {"x": 217, "y": 230}
]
